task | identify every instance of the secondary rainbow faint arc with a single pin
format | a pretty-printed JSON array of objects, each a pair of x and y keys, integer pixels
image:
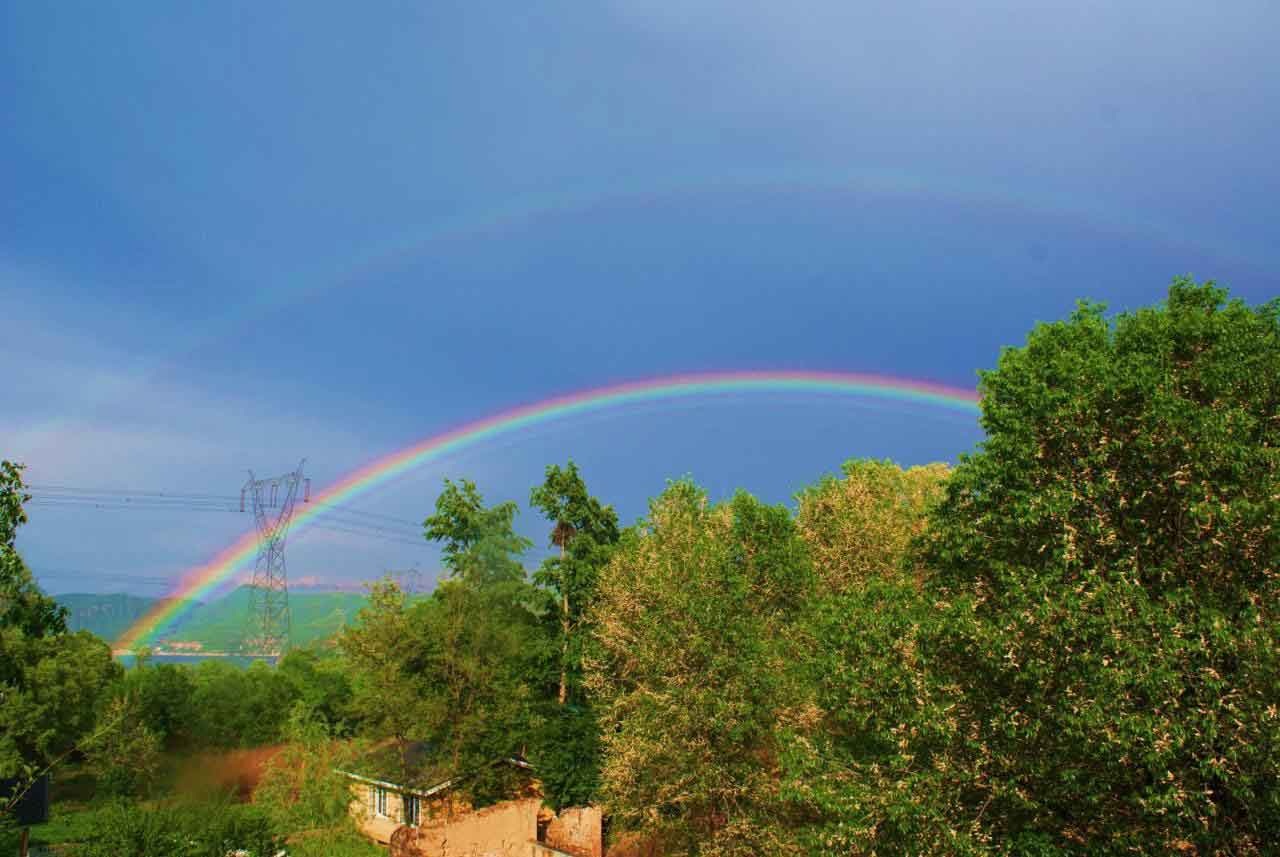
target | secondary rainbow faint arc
[{"x": 198, "y": 582}]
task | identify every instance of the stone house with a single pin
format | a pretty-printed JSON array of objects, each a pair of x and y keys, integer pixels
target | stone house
[{"x": 419, "y": 814}]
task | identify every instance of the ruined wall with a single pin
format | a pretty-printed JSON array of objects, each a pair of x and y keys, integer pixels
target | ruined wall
[
  {"x": 505, "y": 829},
  {"x": 577, "y": 831}
]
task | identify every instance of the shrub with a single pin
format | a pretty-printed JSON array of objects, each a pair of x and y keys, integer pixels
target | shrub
[{"x": 183, "y": 830}]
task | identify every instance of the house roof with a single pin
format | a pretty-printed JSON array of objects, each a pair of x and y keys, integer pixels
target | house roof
[{"x": 427, "y": 773}]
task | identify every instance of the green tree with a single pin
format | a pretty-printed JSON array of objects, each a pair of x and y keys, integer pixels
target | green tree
[
  {"x": 384, "y": 654},
  {"x": 320, "y": 683},
  {"x": 868, "y": 768},
  {"x": 585, "y": 531},
  {"x": 458, "y": 670},
  {"x": 51, "y": 697},
  {"x": 234, "y": 707},
  {"x": 1107, "y": 568},
  {"x": 483, "y": 639},
  {"x": 862, "y": 524},
  {"x": 22, "y": 604},
  {"x": 163, "y": 696},
  {"x": 480, "y": 656},
  {"x": 481, "y": 546},
  {"x": 301, "y": 788},
  {"x": 182, "y": 829},
  {"x": 51, "y": 682},
  {"x": 125, "y": 757},
  {"x": 694, "y": 675}
]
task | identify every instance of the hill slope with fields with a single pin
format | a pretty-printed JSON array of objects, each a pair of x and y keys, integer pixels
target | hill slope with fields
[
  {"x": 219, "y": 625},
  {"x": 104, "y": 615}
]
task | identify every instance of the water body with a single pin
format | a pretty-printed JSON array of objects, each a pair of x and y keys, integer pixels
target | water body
[{"x": 130, "y": 661}]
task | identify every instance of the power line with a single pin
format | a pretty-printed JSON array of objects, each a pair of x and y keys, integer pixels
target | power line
[
  {"x": 368, "y": 535},
  {"x": 98, "y": 503},
  {"x": 131, "y": 492},
  {"x": 140, "y": 498},
  {"x": 351, "y": 517},
  {"x": 340, "y": 525},
  {"x": 67, "y": 573}
]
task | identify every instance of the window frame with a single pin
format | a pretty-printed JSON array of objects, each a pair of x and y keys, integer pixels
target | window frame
[
  {"x": 380, "y": 800},
  {"x": 412, "y": 816}
]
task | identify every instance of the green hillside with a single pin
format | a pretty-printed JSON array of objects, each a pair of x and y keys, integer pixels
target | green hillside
[
  {"x": 219, "y": 625},
  {"x": 104, "y": 615}
]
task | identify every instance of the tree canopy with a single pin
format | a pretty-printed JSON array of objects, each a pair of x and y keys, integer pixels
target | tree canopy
[
  {"x": 694, "y": 672},
  {"x": 51, "y": 682},
  {"x": 1108, "y": 565},
  {"x": 22, "y": 604}
]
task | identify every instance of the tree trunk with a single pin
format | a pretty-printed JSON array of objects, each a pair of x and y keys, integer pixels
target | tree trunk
[{"x": 564, "y": 627}]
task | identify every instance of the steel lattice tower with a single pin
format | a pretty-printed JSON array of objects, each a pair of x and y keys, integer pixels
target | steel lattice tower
[
  {"x": 409, "y": 580},
  {"x": 267, "y": 627}
]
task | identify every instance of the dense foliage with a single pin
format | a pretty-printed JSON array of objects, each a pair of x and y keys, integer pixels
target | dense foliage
[
  {"x": 694, "y": 675},
  {"x": 861, "y": 525},
  {"x": 459, "y": 671},
  {"x": 125, "y": 758},
  {"x": 51, "y": 682},
  {"x": 23, "y": 607},
  {"x": 1107, "y": 567},
  {"x": 868, "y": 770},
  {"x": 586, "y": 532},
  {"x": 209, "y": 829},
  {"x": 301, "y": 787}
]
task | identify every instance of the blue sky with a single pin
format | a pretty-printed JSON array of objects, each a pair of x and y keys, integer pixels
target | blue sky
[{"x": 237, "y": 234}]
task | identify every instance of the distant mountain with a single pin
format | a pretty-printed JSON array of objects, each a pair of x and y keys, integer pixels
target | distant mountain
[
  {"x": 105, "y": 615},
  {"x": 217, "y": 625},
  {"x": 317, "y": 615}
]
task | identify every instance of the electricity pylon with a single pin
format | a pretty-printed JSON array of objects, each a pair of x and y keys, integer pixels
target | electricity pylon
[
  {"x": 409, "y": 580},
  {"x": 268, "y": 624}
]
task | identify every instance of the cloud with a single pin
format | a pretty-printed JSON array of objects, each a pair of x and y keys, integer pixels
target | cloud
[{"x": 82, "y": 412}]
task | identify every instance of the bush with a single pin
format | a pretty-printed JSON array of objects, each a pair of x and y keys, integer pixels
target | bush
[
  {"x": 233, "y": 707},
  {"x": 299, "y": 787},
  {"x": 125, "y": 755},
  {"x": 183, "y": 830}
]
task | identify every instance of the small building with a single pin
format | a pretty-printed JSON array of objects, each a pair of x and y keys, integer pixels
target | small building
[{"x": 400, "y": 798}]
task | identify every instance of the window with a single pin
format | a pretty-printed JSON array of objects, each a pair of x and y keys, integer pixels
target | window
[
  {"x": 411, "y": 810},
  {"x": 380, "y": 799}
]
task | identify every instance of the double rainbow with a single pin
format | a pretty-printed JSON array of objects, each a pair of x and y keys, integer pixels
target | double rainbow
[{"x": 199, "y": 582}]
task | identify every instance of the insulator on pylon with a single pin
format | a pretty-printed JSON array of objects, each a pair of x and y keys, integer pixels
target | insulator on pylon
[{"x": 306, "y": 490}]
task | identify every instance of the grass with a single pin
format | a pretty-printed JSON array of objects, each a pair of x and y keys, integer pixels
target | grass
[
  {"x": 70, "y": 822},
  {"x": 75, "y": 818},
  {"x": 333, "y": 843},
  {"x": 72, "y": 814}
]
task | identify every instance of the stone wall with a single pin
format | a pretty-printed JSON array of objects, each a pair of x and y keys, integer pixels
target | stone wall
[
  {"x": 506, "y": 829},
  {"x": 577, "y": 831}
]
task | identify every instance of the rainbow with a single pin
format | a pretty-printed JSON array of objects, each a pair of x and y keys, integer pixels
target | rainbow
[
  {"x": 531, "y": 208},
  {"x": 199, "y": 582}
]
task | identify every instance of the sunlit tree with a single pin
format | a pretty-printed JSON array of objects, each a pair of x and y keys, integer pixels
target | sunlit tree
[{"x": 1108, "y": 564}]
